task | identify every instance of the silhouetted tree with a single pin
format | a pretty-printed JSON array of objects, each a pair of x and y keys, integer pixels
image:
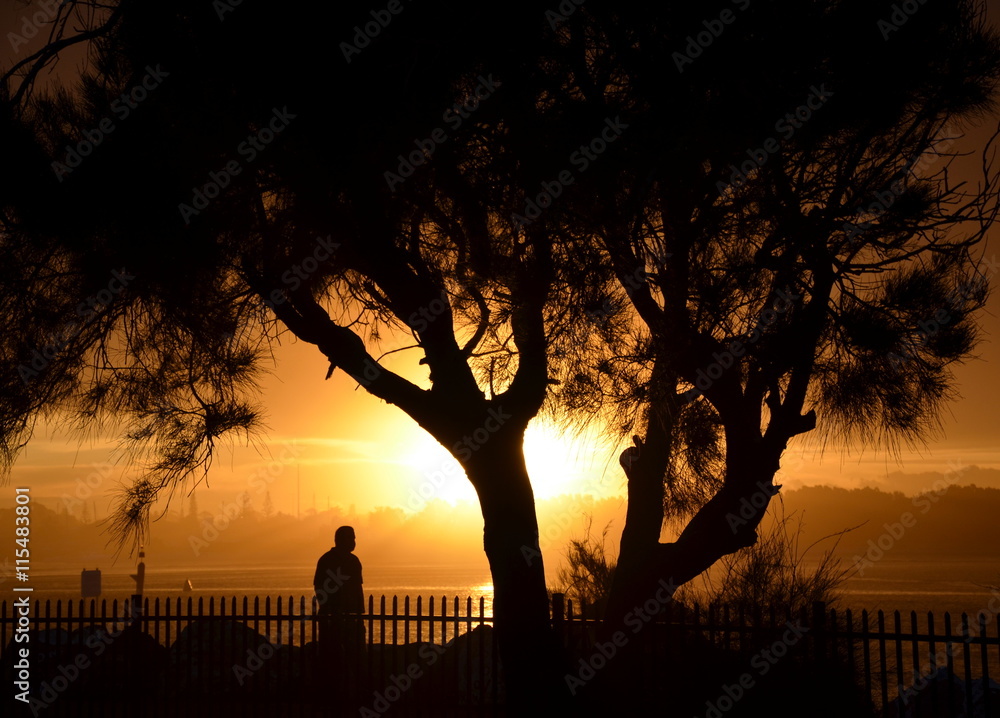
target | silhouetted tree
[
  {"x": 588, "y": 222},
  {"x": 779, "y": 247},
  {"x": 216, "y": 179}
]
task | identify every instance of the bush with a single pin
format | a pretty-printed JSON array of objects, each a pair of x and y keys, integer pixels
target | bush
[
  {"x": 772, "y": 572},
  {"x": 586, "y": 580}
]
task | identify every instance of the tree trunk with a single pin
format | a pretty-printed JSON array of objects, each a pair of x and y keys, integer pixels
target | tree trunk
[
  {"x": 531, "y": 657},
  {"x": 617, "y": 686},
  {"x": 649, "y": 572},
  {"x": 724, "y": 525},
  {"x": 644, "y": 465}
]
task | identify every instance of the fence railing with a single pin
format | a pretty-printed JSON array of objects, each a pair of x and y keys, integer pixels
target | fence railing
[
  {"x": 441, "y": 652},
  {"x": 917, "y": 664},
  {"x": 101, "y": 657},
  {"x": 904, "y": 664}
]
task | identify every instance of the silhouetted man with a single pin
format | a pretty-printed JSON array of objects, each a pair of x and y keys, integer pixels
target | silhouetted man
[{"x": 338, "y": 591}]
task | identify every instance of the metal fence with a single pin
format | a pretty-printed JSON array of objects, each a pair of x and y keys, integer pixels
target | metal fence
[
  {"x": 900, "y": 664},
  {"x": 919, "y": 664},
  {"x": 261, "y": 654},
  {"x": 438, "y": 656}
]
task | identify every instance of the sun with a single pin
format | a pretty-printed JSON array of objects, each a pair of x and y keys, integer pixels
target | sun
[{"x": 558, "y": 463}]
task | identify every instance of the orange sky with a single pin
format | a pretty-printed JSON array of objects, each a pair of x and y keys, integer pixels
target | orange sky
[
  {"x": 349, "y": 448},
  {"x": 332, "y": 442}
]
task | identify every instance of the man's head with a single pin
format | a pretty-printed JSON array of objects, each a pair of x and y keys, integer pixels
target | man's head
[{"x": 344, "y": 538}]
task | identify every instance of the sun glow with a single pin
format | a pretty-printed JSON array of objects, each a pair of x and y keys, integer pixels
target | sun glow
[{"x": 557, "y": 464}]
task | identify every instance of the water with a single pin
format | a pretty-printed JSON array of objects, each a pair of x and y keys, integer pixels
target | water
[
  {"x": 939, "y": 585},
  {"x": 954, "y": 584},
  {"x": 401, "y": 581}
]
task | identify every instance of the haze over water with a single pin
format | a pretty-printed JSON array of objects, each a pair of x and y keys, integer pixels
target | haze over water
[{"x": 893, "y": 584}]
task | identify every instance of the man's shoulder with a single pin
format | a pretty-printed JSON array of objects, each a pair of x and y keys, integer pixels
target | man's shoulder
[{"x": 340, "y": 557}]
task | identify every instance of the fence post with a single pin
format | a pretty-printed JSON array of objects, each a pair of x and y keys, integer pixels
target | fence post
[
  {"x": 819, "y": 631},
  {"x": 559, "y": 617}
]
